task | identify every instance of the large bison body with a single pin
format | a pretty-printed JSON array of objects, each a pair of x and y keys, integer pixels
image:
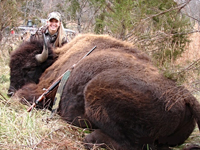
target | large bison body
[{"x": 117, "y": 91}]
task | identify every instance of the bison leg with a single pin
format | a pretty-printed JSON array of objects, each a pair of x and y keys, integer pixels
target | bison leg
[
  {"x": 109, "y": 107},
  {"x": 99, "y": 139},
  {"x": 181, "y": 135},
  {"x": 71, "y": 109},
  {"x": 182, "y": 132}
]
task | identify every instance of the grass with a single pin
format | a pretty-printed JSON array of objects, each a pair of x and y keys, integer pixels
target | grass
[
  {"x": 26, "y": 131},
  {"x": 22, "y": 130}
]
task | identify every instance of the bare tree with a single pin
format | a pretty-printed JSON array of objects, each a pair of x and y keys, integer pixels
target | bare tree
[{"x": 9, "y": 14}]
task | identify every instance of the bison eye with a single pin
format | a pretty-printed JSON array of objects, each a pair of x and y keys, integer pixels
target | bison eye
[{"x": 29, "y": 72}]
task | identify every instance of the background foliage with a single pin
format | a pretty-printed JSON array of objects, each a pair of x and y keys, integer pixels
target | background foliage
[{"x": 156, "y": 27}]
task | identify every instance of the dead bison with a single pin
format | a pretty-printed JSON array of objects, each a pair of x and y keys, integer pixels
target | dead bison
[{"x": 115, "y": 90}]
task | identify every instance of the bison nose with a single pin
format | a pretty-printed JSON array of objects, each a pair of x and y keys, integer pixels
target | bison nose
[{"x": 10, "y": 92}]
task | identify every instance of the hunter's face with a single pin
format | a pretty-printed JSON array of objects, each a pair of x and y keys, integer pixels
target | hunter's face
[{"x": 53, "y": 25}]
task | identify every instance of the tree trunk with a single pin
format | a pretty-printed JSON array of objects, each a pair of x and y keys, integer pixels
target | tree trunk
[{"x": 1, "y": 36}]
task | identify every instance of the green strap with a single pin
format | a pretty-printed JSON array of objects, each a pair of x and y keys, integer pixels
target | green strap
[{"x": 59, "y": 91}]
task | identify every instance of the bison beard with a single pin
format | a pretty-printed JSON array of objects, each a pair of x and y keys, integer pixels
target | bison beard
[{"x": 120, "y": 94}]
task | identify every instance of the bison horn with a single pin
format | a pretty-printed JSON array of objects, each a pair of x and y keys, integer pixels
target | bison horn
[{"x": 44, "y": 55}]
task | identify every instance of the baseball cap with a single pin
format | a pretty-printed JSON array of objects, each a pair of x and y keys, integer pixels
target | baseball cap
[{"x": 54, "y": 15}]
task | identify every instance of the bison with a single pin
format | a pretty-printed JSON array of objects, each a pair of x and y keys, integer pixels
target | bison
[{"x": 116, "y": 90}]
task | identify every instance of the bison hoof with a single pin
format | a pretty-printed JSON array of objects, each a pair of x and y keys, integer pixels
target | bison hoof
[
  {"x": 101, "y": 140},
  {"x": 92, "y": 142}
]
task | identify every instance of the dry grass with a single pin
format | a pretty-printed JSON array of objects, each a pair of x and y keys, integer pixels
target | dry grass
[
  {"x": 192, "y": 53},
  {"x": 22, "y": 130}
]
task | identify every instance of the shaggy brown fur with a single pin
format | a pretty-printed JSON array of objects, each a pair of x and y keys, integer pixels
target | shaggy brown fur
[{"x": 117, "y": 90}]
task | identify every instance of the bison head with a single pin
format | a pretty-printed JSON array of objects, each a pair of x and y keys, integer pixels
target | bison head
[{"x": 28, "y": 70}]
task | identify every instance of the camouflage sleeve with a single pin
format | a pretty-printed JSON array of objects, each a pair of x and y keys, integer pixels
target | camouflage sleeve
[{"x": 64, "y": 40}]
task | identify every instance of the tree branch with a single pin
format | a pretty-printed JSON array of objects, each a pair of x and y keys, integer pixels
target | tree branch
[{"x": 179, "y": 7}]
